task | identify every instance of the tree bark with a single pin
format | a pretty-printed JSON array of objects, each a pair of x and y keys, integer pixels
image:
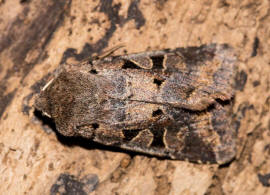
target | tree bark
[{"x": 37, "y": 36}]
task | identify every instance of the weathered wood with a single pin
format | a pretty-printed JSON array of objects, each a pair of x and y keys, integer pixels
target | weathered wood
[{"x": 36, "y": 36}]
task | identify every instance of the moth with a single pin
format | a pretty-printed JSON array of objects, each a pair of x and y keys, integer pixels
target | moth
[{"x": 174, "y": 103}]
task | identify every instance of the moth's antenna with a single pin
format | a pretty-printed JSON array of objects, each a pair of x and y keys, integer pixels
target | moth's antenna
[
  {"x": 107, "y": 53},
  {"x": 111, "y": 51}
]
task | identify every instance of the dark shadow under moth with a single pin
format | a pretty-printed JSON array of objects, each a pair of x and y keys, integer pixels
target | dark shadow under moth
[{"x": 169, "y": 103}]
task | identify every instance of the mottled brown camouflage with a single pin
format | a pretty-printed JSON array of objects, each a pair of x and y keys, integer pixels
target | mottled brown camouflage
[{"x": 169, "y": 103}]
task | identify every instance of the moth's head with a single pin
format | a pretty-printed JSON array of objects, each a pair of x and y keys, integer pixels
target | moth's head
[
  {"x": 42, "y": 105},
  {"x": 41, "y": 101}
]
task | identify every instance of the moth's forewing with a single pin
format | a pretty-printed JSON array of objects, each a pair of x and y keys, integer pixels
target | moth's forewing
[{"x": 172, "y": 103}]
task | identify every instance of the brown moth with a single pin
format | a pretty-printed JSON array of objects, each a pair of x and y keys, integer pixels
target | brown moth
[{"x": 168, "y": 103}]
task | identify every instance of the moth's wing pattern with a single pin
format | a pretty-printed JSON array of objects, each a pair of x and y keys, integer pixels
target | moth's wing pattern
[
  {"x": 191, "y": 78},
  {"x": 204, "y": 136},
  {"x": 171, "y": 103},
  {"x": 199, "y": 76}
]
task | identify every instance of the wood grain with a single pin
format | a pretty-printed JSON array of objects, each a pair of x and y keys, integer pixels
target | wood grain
[{"x": 36, "y": 36}]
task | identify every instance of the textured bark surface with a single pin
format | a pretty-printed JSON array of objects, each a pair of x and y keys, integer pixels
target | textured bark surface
[{"x": 36, "y": 36}]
